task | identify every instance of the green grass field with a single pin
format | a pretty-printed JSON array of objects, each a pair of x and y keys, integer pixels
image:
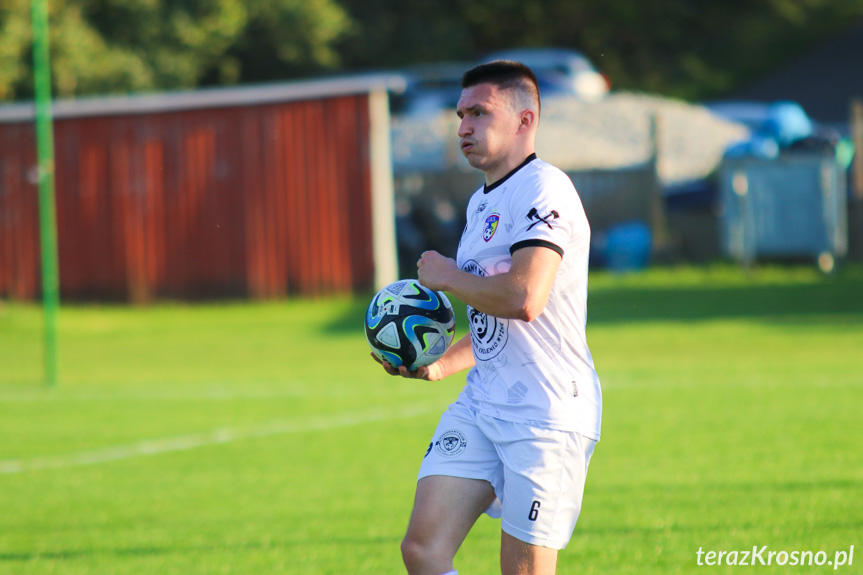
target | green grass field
[{"x": 259, "y": 438}]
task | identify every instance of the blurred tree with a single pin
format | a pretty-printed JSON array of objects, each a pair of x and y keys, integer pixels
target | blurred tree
[
  {"x": 701, "y": 48},
  {"x": 287, "y": 38},
  {"x": 15, "y": 40},
  {"x": 105, "y": 46},
  {"x": 391, "y": 33},
  {"x": 686, "y": 48}
]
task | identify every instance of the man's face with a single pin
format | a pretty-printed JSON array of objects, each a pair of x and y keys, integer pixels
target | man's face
[{"x": 488, "y": 126}]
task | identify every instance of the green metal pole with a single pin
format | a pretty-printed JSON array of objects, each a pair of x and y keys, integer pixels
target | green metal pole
[{"x": 47, "y": 207}]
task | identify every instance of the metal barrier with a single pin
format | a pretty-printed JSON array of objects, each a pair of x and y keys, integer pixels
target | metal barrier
[
  {"x": 619, "y": 195},
  {"x": 791, "y": 207}
]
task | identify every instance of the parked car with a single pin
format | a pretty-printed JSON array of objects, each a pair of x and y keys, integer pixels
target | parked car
[
  {"x": 559, "y": 71},
  {"x": 433, "y": 87},
  {"x": 774, "y": 126},
  {"x": 430, "y": 88}
]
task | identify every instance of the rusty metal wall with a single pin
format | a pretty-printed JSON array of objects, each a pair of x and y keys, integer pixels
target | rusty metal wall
[
  {"x": 261, "y": 201},
  {"x": 19, "y": 213}
]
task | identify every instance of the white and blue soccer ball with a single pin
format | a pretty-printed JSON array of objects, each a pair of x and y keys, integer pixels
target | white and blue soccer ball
[{"x": 409, "y": 324}]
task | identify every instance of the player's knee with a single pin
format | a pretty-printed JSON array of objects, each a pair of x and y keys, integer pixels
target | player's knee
[
  {"x": 417, "y": 555},
  {"x": 413, "y": 554}
]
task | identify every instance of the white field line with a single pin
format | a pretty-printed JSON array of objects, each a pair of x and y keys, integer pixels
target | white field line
[
  {"x": 166, "y": 390},
  {"x": 168, "y": 395},
  {"x": 214, "y": 437},
  {"x": 172, "y": 394}
]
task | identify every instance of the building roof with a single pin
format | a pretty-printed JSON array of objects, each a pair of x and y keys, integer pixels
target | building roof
[{"x": 208, "y": 98}]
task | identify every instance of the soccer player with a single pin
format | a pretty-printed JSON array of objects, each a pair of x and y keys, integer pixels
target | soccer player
[{"x": 518, "y": 441}]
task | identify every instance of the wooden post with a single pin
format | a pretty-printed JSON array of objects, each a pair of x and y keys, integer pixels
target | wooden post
[
  {"x": 658, "y": 219},
  {"x": 383, "y": 202}
]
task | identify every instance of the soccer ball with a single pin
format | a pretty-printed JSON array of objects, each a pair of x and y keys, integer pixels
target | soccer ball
[{"x": 409, "y": 324}]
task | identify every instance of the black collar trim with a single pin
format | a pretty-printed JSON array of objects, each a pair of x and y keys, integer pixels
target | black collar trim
[{"x": 487, "y": 188}]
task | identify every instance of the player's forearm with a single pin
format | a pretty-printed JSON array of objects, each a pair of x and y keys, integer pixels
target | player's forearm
[
  {"x": 520, "y": 293},
  {"x": 506, "y": 295},
  {"x": 458, "y": 357}
]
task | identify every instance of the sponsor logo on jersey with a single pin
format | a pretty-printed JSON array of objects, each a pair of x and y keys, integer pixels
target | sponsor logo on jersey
[
  {"x": 487, "y": 332},
  {"x": 533, "y": 215},
  {"x": 490, "y": 227},
  {"x": 474, "y": 268},
  {"x": 451, "y": 443}
]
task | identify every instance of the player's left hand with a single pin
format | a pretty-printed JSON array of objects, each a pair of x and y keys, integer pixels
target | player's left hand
[
  {"x": 433, "y": 270},
  {"x": 427, "y": 372}
]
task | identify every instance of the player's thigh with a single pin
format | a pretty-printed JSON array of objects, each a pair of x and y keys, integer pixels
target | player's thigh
[
  {"x": 520, "y": 558},
  {"x": 445, "y": 509},
  {"x": 455, "y": 484}
]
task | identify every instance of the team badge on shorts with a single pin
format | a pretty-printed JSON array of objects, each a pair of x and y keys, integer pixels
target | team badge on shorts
[
  {"x": 451, "y": 443},
  {"x": 490, "y": 226}
]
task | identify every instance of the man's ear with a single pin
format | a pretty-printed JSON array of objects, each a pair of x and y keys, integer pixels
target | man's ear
[{"x": 526, "y": 122}]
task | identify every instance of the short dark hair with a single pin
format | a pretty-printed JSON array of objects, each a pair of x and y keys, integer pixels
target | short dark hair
[{"x": 506, "y": 75}]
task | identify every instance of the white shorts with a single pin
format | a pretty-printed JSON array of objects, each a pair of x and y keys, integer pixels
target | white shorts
[{"x": 538, "y": 474}]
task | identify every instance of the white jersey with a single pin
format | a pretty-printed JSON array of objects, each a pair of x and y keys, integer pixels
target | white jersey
[{"x": 541, "y": 372}]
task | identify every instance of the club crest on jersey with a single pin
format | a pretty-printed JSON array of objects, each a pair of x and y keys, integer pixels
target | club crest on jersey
[
  {"x": 490, "y": 227},
  {"x": 488, "y": 334}
]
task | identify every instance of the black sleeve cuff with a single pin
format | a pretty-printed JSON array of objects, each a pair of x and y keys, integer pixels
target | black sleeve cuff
[{"x": 535, "y": 243}]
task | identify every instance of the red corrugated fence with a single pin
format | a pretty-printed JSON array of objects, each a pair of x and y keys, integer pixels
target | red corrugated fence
[{"x": 260, "y": 200}]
